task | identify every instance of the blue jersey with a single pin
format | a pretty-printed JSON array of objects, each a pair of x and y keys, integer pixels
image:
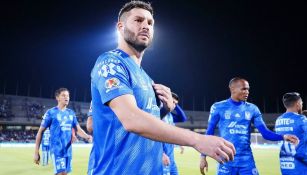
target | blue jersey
[
  {"x": 60, "y": 124},
  {"x": 115, "y": 150},
  {"x": 46, "y": 138},
  {"x": 293, "y": 160},
  {"x": 234, "y": 120},
  {"x": 168, "y": 148}
]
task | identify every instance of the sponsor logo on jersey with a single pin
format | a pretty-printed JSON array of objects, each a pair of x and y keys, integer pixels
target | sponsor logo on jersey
[
  {"x": 248, "y": 115},
  {"x": 287, "y": 165},
  {"x": 111, "y": 83},
  {"x": 237, "y": 115},
  {"x": 107, "y": 69},
  {"x": 284, "y": 121}
]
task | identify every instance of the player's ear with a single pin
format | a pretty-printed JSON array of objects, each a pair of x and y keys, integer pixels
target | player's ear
[{"x": 120, "y": 26}]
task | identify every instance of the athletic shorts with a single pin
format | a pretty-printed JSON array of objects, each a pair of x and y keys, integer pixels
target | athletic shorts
[{"x": 61, "y": 164}]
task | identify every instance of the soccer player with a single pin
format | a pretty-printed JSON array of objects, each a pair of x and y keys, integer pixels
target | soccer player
[
  {"x": 168, "y": 159},
  {"x": 293, "y": 159},
  {"x": 45, "y": 147},
  {"x": 60, "y": 120},
  {"x": 234, "y": 117},
  {"x": 126, "y": 117},
  {"x": 89, "y": 127}
]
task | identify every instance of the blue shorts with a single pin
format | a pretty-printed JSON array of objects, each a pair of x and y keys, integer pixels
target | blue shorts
[
  {"x": 223, "y": 169},
  {"x": 61, "y": 164}
]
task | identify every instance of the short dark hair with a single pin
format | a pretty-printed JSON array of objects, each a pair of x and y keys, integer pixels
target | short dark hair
[
  {"x": 236, "y": 79},
  {"x": 175, "y": 96},
  {"x": 135, "y": 4},
  {"x": 58, "y": 91},
  {"x": 290, "y": 98}
]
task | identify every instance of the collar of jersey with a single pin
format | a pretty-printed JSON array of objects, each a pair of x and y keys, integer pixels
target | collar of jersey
[
  {"x": 125, "y": 55},
  {"x": 235, "y": 102}
]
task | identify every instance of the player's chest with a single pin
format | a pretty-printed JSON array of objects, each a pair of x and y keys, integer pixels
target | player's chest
[
  {"x": 63, "y": 118},
  {"x": 238, "y": 115}
]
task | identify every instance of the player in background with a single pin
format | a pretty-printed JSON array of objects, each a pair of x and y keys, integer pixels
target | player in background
[
  {"x": 293, "y": 158},
  {"x": 168, "y": 159},
  {"x": 89, "y": 127},
  {"x": 45, "y": 147},
  {"x": 60, "y": 120},
  {"x": 234, "y": 118},
  {"x": 127, "y": 129}
]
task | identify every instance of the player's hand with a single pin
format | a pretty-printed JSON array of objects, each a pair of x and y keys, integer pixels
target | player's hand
[
  {"x": 291, "y": 138},
  {"x": 216, "y": 147},
  {"x": 203, "y": 164},
  {"x": 74, "y": 138},
  {"x": 165, "y": 160},
  {"x": 90, "y": 139},
  {"x": 37, "y": 158},
  {"x": 165, "y": 95}
]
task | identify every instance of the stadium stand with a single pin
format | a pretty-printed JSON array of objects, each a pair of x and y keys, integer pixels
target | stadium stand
[{"x": 21, "y": 116}]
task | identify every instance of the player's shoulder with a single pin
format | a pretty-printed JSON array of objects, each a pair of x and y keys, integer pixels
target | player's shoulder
[
  {"x": 110, "y": 56},
  {"x": 70, "y": 111},
  {"x": 220, "y": 103},
  {"x": 251, "y": 105},
  {"x": 51, "y": 111}
]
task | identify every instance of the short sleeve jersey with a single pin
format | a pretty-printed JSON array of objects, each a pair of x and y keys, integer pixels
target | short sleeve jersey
[{"x": 117, "y": 151}]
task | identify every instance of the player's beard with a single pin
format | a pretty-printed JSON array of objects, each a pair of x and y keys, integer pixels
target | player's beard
[{"x": 131, "y": 39}]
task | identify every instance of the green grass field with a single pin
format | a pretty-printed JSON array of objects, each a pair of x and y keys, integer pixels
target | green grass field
[{"x": 19, "y": 161}]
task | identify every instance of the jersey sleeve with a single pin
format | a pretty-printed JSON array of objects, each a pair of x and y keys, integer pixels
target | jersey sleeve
[
  {"x": 75, "y": 122},
  {"x": 179, "y": 115},
  {"x": 257, "y": 117},
  {"x": 214, "y": 118},
  {"x": 111, "y": 77},
  {"x": 47, "y": 119}
]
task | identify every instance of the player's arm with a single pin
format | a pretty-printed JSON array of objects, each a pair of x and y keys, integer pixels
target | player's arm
[
  {"x": 38, "y": 141},
  {"x": 212, "y": 122},
  {"x": 179, "y": 115},
  {"x": 268, "y": 134},
  {"x": 138, "y": 121},
  {"x": 89, "y": 124},
  {"x": 82, "y": 133}
]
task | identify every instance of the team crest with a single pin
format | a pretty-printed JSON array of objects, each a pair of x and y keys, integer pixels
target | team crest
[
  {"x": 247, "y": 115},
  {"x": 227, "y": 114}
]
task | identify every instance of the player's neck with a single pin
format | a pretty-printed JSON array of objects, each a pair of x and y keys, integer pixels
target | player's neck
[
  {"x": 235, "y": 99},
  {"x": 292, "y": 110},
  {"x": 132, "y": 52},
  {"x": 62, "y": 107}
]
